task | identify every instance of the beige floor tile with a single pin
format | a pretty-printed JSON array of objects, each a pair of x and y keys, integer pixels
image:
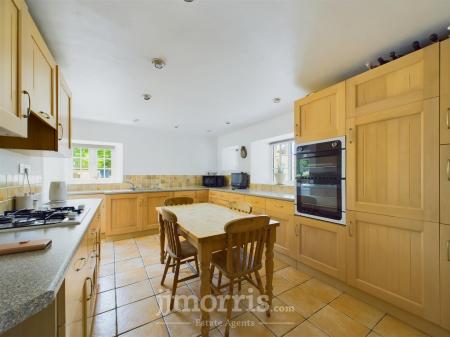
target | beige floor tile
[
  {"x": 127, "y": 265},
  {"x": 106, "y": 269},
  {"x": 373, "y": 334},
  {"x": 358, "y": 310},
  {"x": 322, "y": 291},
  {"x": 124, "y": 243},
  {"x": 133, "y": 276},
  {"x": 306, "y": 329},
  {"x": 106, "y": 260},
  {"x": 105, "y": 283},
  {"x": 184, "y": 299},
  {"x": 104, "y": 324},
  {"x": 155, "y": 270},
  {"x": 138, "y": 313},
  {"x": 156, "y": 281},
  {"x": 105, "y": 301},
  {"x": 282, "y": 318},
  {"x": 304, "y": 303},
  {"x": 149, "y": 251},
  {"x": 183, "y": 324},
  {"x": 153, "y": 329},
  {"x": 293, "y": 275},
  {"x": 247, "y": 325},
  {"x": 151, "y": 259},
  {"x": 134, "y": 292},
  {"x": 280, "y": 284},
  {"x": 392, "y": 327},
  {"x": 337, "y": 324}
]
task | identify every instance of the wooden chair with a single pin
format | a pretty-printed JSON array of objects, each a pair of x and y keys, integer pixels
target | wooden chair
[
  {"x": 179, "y": 251},
  {"x": 240, "y": 206},
  {"x": 245, "y": 241},
  {"x": 178, "y": 201}
]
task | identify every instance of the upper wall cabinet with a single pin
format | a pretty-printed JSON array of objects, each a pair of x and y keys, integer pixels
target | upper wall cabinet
[
  {"x": 321, "y": 115},
  {"x": 411, "y": 78},
  {"x": 445, "y": 92},
  {"x": 40, "y": 74},
  {"x": 393, "y": 161},
  {"x": 12, "y": 122},
  {"x": 64, "y": 114}
]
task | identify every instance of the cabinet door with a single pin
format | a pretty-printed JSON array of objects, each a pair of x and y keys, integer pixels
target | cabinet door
[
  {"x": 201, "y": 196},
  {"x": 189, "y": 194},
  {"x": 11, "y": 20},
  {"x": 445, "y": 184},
  {"x": 322, "y": 246},
  {"x": 393, "y": 161},
  {"x": 151, "y": 201},
  {"x": 445, "y": 92},
  {"x": 412, "y": 78},
  {"x": 258, "y": 204},
  {"x": 124, "y": 213},
  {"x": 445, "y": 276},
  {"x": 64, "y": 113},
  {"x": 40, "y": 79},
  {"x": 320, "y": 115},
  {"x": 287, "y": 233},
  {"x": 395, "y": 259}
]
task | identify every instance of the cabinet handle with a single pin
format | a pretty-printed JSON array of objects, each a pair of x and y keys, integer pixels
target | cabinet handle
[
  {"x": 297, "y": 230},
  {"x": 92, "y": 288},
  {"x": 448, "y": 250},
  {"x": 350, "y": 135},
  {"x": 448, "y": 118},
  {"x": 350, "y": 228},
  {"x": 29, "y": 104},
  {"x": 62, "y": 131},
  {"x": 46, "y": 115},
  {"x": 83, "y": 259},
  {"x": 448, "y": 169}
]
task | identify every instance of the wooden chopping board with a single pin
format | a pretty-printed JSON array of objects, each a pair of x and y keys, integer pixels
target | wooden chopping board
[{"x": 24, "y": 246}]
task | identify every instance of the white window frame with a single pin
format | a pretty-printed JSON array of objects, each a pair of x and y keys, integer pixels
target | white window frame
[
  {"x": 291, "y": 155},
  {"x": 116, "y": 162}
]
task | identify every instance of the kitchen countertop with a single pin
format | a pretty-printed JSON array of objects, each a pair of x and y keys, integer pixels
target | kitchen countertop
[
  {"x": 30, "y": 281},
  {"x": 258, "y": 193}
]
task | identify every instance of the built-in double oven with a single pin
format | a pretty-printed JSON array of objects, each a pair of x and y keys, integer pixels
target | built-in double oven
[{"x": 320, "y": 180}]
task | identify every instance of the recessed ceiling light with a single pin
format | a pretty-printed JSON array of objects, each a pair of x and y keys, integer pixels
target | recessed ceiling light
[
  {"x": 188, "y": 0},
  {"x": 147, "y": 96},
  {"x": 176, "y": 126},
  {"x": 208, "y": 131},
  {"x": 276, "y": 99},
  {"x": 136, "y": 120},
  {"x": 158, "y": 63},
  {"x": 227, "y": 122}
]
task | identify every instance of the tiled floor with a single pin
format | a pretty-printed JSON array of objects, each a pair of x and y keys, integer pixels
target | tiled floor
[{"x": 132, "y": 303}]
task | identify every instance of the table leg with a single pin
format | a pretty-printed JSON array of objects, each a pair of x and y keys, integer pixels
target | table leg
[
  {"x": 162, "y": 238},
  {"x": 204, "y": 253},
  {"x": 270, "y": 241}
]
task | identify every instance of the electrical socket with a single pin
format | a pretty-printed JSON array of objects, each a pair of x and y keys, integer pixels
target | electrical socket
[{"x": 23, "y": 167}]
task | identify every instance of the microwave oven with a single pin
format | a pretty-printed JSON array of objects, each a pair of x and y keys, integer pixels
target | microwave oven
[{"x": 213, "y": 181}]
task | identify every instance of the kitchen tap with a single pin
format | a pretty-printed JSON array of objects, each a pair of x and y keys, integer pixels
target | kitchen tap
[{"x": 133, "y": 186}]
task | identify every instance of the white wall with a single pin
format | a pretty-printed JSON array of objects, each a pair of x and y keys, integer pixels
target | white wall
[
  {"x": 256, "y": 138},
  {"x": 147, "y": 151}
]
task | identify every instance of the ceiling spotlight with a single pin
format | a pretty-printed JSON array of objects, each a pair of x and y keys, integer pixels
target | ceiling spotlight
[
  {"x": 147, "y": 97},
  {"x": 188, "y": 0},
  {"x": 158, "y": 63},
  {"x": 176, "y": 126},
  {"x": 276, "y": 99},
  {"x": 136, "y": 120},
  {"x": 208, "y": 131},
  {"x": 227, "y": 122}
]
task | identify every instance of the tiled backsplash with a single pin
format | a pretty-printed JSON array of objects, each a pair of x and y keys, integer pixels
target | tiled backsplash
[
  {"x": 289, "y": 189},
  {"x": 12, "y": 185}
]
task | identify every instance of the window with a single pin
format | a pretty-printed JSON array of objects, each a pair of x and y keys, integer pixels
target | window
[
  {"x": 284, "y": 159},
  {"x": 96, "y": 163}
]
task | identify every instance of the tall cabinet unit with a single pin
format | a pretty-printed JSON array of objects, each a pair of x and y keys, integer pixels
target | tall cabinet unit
[
  {"x": 64, "y": 114},
  {"x": 13, "y": 122},
  {"x": 392, "y": 182}
]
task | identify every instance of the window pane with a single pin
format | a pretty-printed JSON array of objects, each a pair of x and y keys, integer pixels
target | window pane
[
  {"x": 100, "y": 153},
  {"x": 76, "y": 163},
  {"x": 85, "y": 164},
  {"x": 107, "y": 153},
  {"x": 101, "y": 173},
  {"x": 100, "y": 163},
  {"x": 76, "y": 151},
  {"x": 108, "y": 163},
  {"x": 84, "y": 152},
  {"x": 107, "y": 173}
]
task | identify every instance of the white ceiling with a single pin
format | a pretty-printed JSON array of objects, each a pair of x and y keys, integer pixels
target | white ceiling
[{"x": 226, "y": 59}]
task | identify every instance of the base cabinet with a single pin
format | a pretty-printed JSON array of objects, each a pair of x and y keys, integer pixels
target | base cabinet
[
  {"x": 124, "y": 213},
  {"x": 445, "y": 275},
  {"x": 151, "y": 201},
  {"x": 322, "y": 246},
  {"x": 396, "y": 260}
]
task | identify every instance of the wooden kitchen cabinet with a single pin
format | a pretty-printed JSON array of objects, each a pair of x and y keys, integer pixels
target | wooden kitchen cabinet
[
  {"x": 258, "y": 204},
  {"x": 393, "y": 161},
  {"x": 124, "y": 213},
  {"x": 201, "y": 196},
  {"x": 445, "y": 92},
  {"x": 322, "y": 246},
  {"x": 444, "y": 175},
  {"x": 12, "y": 122},
  {"x": 396, "y": 260},
  {"x": 287, "y": 233},
  {"x": 39, "y": 74},
  {"x": 151, "y": 201},
  {"x": 320, "y": 115},
  {"x": 64, "y": 115},
  {"x": 412, "y": 78},
  {"x": 445, "y": 275}
]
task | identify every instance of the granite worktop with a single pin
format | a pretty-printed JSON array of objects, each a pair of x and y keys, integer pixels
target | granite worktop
[
  {"x": 258, "y": 193},
  {"x": 30, "y": 281}
]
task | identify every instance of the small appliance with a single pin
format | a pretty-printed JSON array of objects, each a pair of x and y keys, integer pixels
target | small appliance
[
  {"x": 240, "y": 180},
  {"x": 213, "y": 181},
  {"x": 58, "y": 191}
]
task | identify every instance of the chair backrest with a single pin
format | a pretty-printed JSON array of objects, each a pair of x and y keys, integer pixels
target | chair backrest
[
  {"x": 240, "y": 206},
  {"x": 245, "y": 244},
  {"x": 178, "y": 201},
  {"x": 171, "y": 231}
]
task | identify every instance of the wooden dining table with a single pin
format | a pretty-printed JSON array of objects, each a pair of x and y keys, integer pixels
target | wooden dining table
[{"x": 203, "y": 226}]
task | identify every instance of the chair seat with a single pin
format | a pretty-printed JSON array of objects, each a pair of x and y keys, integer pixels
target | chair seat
[
  {"x": 219, "y": 259},
  {"x": 187, "y": 250}
]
